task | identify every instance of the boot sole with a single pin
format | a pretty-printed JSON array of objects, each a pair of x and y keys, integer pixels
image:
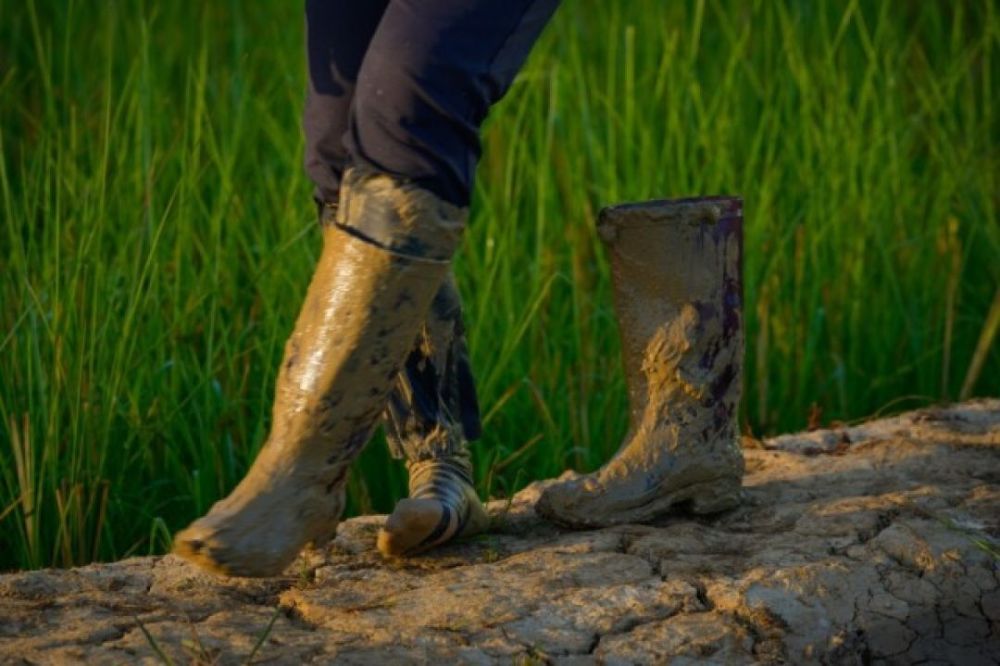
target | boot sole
[{"x": 703, "y": 498}]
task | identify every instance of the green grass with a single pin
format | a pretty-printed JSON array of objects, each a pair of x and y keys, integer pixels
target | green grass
[{"x": 156, "y": 235}]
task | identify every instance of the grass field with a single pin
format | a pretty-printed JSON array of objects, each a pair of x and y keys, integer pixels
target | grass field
[{"x": 157, "y": 233}]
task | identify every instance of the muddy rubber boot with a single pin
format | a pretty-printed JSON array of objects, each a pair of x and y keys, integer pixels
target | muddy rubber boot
[
  {"x": 676, "y": 271},
  {"x": 431, "y": 415},
  {"x": 382, "y": 262}
]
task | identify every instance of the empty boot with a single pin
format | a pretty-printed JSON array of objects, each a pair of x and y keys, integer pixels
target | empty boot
[
  {"x": 382, "y": 263},
  {"x": 431, "y": 414},
  {"x": 676, "y": 271}
]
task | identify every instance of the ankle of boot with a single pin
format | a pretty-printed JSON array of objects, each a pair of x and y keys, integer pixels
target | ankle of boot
[
  {"x": 425, "y": 472},
  {"x": 399, "y": 217},
  {"x": 443, "y": 440}
]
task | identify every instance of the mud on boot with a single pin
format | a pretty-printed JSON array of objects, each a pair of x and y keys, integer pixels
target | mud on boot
[
  {"x": 676, "y": 270},
  {"x": 381, "y": 265}
]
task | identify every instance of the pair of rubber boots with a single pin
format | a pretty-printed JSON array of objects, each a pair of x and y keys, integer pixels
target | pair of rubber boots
[{"x": 382, "y": 282}]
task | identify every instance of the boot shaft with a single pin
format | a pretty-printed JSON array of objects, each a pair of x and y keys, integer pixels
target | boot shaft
[
  {"x": 382, "y": 262},
  {"x": 677, "y": 277}
]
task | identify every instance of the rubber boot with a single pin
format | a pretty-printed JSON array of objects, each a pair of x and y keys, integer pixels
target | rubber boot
[
  {"x": 676, "y": 271},
  {"x": 382, "y": 263},
  {"x": 431, "y": 415}
]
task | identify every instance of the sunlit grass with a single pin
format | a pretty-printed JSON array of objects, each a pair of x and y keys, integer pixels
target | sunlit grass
[{"x": 157, "y": 235}]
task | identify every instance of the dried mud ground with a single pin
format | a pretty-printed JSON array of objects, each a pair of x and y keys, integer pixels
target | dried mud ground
[{"x": 871, "y": 544}]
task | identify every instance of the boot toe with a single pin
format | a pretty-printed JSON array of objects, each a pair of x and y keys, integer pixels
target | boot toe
[
  {"x": 197, "y": 545},
  {"x": 567, "y": 503},
  {"x": 214, "y": 549},
  {"x": 409, "y": 526}
]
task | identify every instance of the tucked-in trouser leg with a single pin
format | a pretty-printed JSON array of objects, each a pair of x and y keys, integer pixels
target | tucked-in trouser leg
[
  {"x": 402, "y": 86},
  {"x": 431, "y": 73},
  {"x": 337, "y": 36}
]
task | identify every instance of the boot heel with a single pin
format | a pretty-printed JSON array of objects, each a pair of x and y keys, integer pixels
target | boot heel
[{"x": 714, "y": 496}]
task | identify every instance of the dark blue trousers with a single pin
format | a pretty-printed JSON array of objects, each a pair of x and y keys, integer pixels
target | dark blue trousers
[{"x": 403, "y": 86}]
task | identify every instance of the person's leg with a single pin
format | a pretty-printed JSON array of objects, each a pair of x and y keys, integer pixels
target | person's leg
[
  {"x": 363, "y": 309},
  {"x": 385, "y": 257},
  {"x": 432, "y": 71},
  {"x": 432, "y": 414},
  {"x": 431, "y": 74},
  {"x": 337, "y": 36},
  {"x": 432, "y": 410}
]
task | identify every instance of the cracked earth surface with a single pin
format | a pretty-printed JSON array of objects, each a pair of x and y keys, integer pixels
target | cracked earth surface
[{"x": 872, "y": 544}]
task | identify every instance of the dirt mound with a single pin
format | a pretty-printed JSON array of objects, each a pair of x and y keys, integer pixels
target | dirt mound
[{"x": 857, "y": 545}]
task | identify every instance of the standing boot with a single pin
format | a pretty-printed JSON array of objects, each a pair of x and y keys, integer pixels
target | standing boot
[
  {"x": 676, "y": 269},
  {"x": 382, "y": 263},
  {"x": 431, "y": 415}
]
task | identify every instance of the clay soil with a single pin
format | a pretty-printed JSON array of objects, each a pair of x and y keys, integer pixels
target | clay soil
[{"x": 872, "y": 544}]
